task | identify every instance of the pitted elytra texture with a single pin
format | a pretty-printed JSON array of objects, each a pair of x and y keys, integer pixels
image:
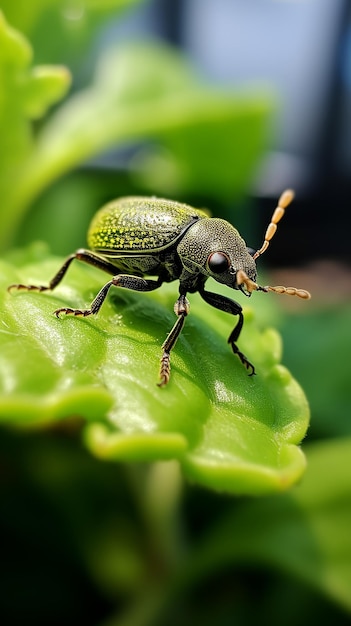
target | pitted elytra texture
[{"x": 136, "y": 224}]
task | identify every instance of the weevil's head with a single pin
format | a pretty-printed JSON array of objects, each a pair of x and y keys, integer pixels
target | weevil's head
[{"x": 213, "y": 247}]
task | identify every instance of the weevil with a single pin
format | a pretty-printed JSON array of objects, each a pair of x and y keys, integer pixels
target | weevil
[{"x": 133, "y": 238}]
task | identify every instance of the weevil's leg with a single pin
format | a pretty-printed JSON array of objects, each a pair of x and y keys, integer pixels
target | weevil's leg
[
  {"x": 81, "y": 255},
  {"x": 136, "y": 283},
  {"x": 229, "y": 306},
  {"x": 181, "y": 308}
]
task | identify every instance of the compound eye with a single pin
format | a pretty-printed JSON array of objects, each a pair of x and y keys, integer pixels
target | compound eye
[
  {"x": 218, "y": 262},
  {"x": 251, "y": 251}
]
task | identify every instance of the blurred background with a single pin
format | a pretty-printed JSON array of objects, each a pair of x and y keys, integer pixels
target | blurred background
[
  {"x": 300, "y": 50},
  {"x": 221, "y": 104},
  {"x": 295, "y": 51}
]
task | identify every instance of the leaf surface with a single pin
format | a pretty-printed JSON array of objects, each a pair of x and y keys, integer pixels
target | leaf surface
[{"x": 228, "y": 430}]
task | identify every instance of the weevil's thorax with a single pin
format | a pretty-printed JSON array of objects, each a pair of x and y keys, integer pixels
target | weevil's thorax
[{"x": 211, "y": 235}]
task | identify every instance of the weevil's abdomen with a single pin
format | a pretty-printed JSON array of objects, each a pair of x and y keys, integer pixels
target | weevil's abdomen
[{"x": 139, "y": 224}]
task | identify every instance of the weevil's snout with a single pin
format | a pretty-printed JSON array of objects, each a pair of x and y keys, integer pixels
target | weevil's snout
[
  {"x": 245, "y": 283},
  {"x": 244, "y": 290},
  {"x": 237, "y": 282},
  {"x": 245, "y": 275}
]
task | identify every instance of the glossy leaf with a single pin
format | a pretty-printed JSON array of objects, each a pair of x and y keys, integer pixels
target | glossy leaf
[{"x": 229, "y": 431}]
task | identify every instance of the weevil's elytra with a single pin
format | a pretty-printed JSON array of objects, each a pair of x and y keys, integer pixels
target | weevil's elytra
[
  {"x": 136, "y": 237},
  {"x": 135, "y": 224}
]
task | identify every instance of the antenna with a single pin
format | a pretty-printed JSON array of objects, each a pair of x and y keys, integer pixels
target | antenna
[
  {"x": 285, "y": 199},
  {"x": 250, "y": 286}
]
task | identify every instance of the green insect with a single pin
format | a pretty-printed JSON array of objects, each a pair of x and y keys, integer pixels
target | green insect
[{"x": 135, "y": 237}]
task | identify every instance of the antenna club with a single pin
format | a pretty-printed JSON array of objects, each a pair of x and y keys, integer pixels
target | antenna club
[
  {"x": 290, "y": 291},
  {"x": 286, "y": 198}
]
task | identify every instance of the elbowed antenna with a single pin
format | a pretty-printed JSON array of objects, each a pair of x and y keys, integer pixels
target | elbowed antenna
[{"x": 285, "y": 199}]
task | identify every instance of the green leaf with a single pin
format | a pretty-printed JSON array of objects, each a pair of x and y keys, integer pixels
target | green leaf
[{"x": 228, "y": 430}]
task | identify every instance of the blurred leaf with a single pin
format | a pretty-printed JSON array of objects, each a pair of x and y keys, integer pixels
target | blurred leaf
[
  {"x": 29, "y": 16},
  {"x": 318, "y": 345},
  {"x": 46, "y": 87},
  {"x": 26, "y": 93},
  {"x": 213, "y": 137},
  {"x": 305, "y": 533},
  {"x": 229, "y": 431},
  {"x": 213, "y": 155},
  {"x": 141, "y": 92}
]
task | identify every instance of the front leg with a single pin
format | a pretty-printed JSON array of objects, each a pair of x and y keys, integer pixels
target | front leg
[
  {"x": 181, "y": 308},
  {"x": 229, "y": 306}
]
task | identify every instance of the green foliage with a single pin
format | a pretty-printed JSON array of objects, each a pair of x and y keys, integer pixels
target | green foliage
[
  {"x": 142, "y": 91},
  {"x": 61, "y": 31},
  {"x": 128, "y": 539}
]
